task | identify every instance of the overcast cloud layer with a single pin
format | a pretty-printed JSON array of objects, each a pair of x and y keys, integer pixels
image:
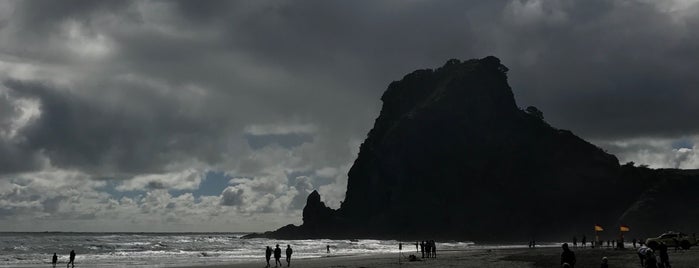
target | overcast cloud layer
[{"x": 224, "y": 115}]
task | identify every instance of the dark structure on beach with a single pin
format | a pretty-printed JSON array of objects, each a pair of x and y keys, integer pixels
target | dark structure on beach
[{"x": 452, "y": 156}]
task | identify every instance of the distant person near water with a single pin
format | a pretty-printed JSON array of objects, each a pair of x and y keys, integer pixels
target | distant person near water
[
  {"x": 54, "y": 260},
  {"x": 268, "y": 254},
  {"x": 422, "y": 248},
  {"x": 277, "y": 256},
  {"x": 328, "y": 248},
  {"x": 633, "y": 242},
  {"x": 72, "y": 259},
  {"x": 289, "y": 251},
  {"x": 568, "y": 256},
  {"x": 584, "y": 241},
  {"x": 575, "y": 242},
  {"x": 434, "y": 249},
  {"x": 416, "y": 250}
]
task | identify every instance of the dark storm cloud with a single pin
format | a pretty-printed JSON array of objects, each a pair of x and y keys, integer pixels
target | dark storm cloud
[{"x": 147, "y": 87}]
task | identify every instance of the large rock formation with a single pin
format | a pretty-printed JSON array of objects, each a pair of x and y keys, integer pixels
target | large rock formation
[{"x": 452, "y": 156}]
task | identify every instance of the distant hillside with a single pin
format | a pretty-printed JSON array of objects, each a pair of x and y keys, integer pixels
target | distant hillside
[{"x": 452, "y": 156}]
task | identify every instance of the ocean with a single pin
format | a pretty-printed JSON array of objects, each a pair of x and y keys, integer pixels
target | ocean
[
  {"x": 181, "y": 249},
  {"x": 170, "y": 249}
]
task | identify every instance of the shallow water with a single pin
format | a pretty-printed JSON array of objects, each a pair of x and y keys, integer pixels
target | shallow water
[{"x": 181, "y": 249}]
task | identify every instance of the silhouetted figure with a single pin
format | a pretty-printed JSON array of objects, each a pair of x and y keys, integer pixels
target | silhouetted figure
[
  {"x": 328, "y": 248},
  {"x": 604, "y": 263},
  {"x": 72, "y": 259},
  {"x": 533, "y": 243},
  {"x": 428, "y": 249},
  {"x": 575, "y": 242},
  {"x": 416, "y": 250},
  {"x": 584, "y": 241},
  {"x": 268, "y": 254},
  {"x": 568, "y": 256},
  {"x": 651, "y": 261},
  {"x": 434, "y": 249},
  {"x": 664, "y": 258},
  {"x": 54, "y": 260},
  {"x": 289, "y": 251},
  {"x": 633, "y": 242},
  {"x": 277, "y": 256},
  {"x": 422, "y": 248},
  {"x": 642, "y": 251}
]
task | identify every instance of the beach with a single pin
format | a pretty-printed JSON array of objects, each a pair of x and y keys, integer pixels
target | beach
[{"x": 539, "y": 257}]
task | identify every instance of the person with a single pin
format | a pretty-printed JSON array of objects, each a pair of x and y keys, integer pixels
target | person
[
  {"x": 328, "y": 248},
  {"x": 651, "y": 261},
  {"x": 277, "y": 256},
  {"x": 434, "y": 249},
  {"x": 642, "y": 254},
  {"x": 604, "y": 263},
  {"x": 268, "y": 254},
  {"x": 54, "y": 260},
  {"x": 416, "y": 250},
  {"x": 422, "y": 248},
  {"x": 584, "y": 241},
  {"x": 428, "y": 249},
  {"x": 71, "y": 259},
  {"x": 664, "y": 258},
  {"x": 633, "y": 242},
  {"x": 568, "y": 256},
  {"x": 575, "y": 242},
  {"x": 288, "y": 255}
]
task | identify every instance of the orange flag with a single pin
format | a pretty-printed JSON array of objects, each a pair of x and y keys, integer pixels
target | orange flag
[{"x": 624, "y": 228}]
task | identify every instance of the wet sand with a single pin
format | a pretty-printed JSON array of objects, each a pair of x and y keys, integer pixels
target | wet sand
[{"x": 540, "y": 257}]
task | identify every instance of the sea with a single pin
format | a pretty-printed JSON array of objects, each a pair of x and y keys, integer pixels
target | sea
[{"x": 185, "y": 249}]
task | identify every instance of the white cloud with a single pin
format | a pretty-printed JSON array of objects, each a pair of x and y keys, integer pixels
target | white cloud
[{"x": 188, "y": 179}]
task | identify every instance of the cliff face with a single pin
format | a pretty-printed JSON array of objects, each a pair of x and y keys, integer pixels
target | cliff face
[{"x": 452, "y": 156}]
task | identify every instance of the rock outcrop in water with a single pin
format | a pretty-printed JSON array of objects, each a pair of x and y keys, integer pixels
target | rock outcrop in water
[{"x": 452, "y": 156}]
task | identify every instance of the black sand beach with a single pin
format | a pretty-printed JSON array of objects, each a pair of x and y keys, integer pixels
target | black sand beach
[{"x": 540, "y": 257}]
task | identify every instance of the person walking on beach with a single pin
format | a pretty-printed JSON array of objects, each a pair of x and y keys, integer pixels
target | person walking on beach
[
  {"x": 268, "y": 254},
  {"x": 422, "y": 248},
  {"x": 277, "y": 256},
  {"x": 568, "y": 256},
  {"x": 289, "y": 251},
  {"x": 328, "y": 248},
  {"x": 54, "y": 260},
  {"x": 416, "y": 250},
  {"x": 575, "y": 242},
  {"x": 434, "y": 249},
  {"x": 72, "y": 258},
  {"x": 584, "y": 241},
  {"x": 633, "y": 242}
]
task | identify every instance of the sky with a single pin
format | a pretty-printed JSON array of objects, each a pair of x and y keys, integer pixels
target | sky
[{"x": 171, "y": 116}]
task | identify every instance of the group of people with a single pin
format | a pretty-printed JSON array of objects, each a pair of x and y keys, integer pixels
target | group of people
[
  {"x": 428, "y": 249},
  {"x": 647, "y": 256},
  {"x": 71, "y": 259},
  {"x": 583, "y": 242},
  {"x": 649, "y": 259},
  {"x": 278, "y": 255}
]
